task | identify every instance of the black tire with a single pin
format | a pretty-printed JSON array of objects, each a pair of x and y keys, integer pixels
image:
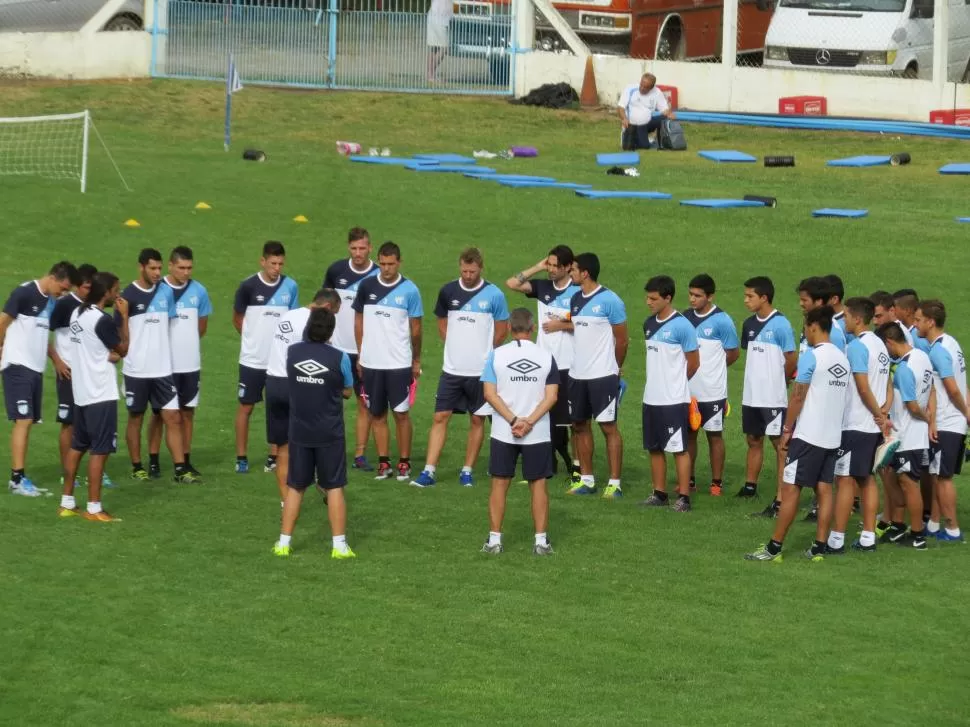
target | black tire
[
  {"x": 671, "y": 45},
  {"x": 123, "y": 23}
]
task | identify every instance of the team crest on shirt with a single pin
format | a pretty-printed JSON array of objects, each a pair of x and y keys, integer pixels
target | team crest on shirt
[
  {"x": 483, "y": 304},
  {"x": 194, "y": 300},
  {"x": 666, "y": 334},
  {"x": 22, "y": 407},
  {"x": 769, "y": 335},
  {"x": 546, "y": 298},
  {"x": 597, "y": 308},
  {"x": 130, "y": 398},
  {"x": 708, "y": 331},
  {"x": 285, "y": 298},
  {"x": 399, "y": 300},
  {"x": 467, "y": 307}
]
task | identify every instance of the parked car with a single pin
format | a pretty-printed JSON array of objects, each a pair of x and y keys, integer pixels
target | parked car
[{"x": 52, "y": 16}]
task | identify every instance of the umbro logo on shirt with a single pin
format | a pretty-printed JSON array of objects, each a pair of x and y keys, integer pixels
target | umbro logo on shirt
[
  {"x": 838, "y": 371},
  {"x": 311, "y": 370},
  {"x": 286, "y": 327},
  {"x": 141, "y": 306},
  {"x": 260, "y": 298},
  {"x": 76, "y": 327},
  {"x": 524, "y": 367},
  {"x": 883, "y": 359},
  {"x": 456, "y": 303},
  {"x": 341, "y": 281},
  {"x": 34, "y": 308},
  {"x": 546, "y": 297},
  {"x": 371, "y": 297}
]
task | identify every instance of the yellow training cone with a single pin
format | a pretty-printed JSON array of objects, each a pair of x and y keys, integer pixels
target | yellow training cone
[
  {"x": 132, "y": 223},
  {"x": 300, "y": 218},
  {"x": 203, "y": 206}
]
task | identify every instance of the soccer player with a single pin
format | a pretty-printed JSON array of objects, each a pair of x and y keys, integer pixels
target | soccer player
[
  {"x": 717, "y": 339},
  {"x": 601, "y": 340},
  {"x": 96, "y": 339},
  {"x": 186, "y": 329},
  {"x": 812, "y": 433},
  {"x": 555, "y": 335},
  {"x": 24, "y": 327},
  {"x": 769, "y": 342},
  {"x": 814, "y": 293},
  {"x": 319, "y": 378},
  {"x": 473, "y": 319},
  {"x": 147, "y": 367},
  {"x": 914, "y": 408},
  {"x": 863, "y": 427},
  {"x": 836, "y": 296},
  {"x": 387, "y": 328},
  {"x": 60, "y": 353},
  {"x": 522, "y": 397},
  {"x": 906, "y": 301},
  {"x": 289, "y": 331},
  {"x": 672, "y": 360},
  {"x": 345, "y": 276},
  {"x": 260, "y": 301},
  {"x": 952, "y": 415},
  {"x": 885, "y": 312}
]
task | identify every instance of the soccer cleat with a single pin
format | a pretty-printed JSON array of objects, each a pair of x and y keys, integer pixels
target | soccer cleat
[
  {"x": 681, "y": 506},
  {"x": 187, "y": 478},
  {"x": 77, "y": 482},
  {"x": 813, "y": 556},
  {"x": 140, "y": 474},
  {"x": 107, "y": 481},
  {"x": 945, "y": 537},
  {"x": 99, "y": 517},
  {"x": 908, "y": 540},
  {"x": 612, "y": 492},
  {"x": 282, "y": 551},
  {"x": 770, "y": 512},
  {"x": 654, "y": 501},
  {"x": 361, "y": 463},
  {"x": 694, "y": 415},
  {"x": 68, "y": 512},
  {"x": 24, "y": 488},
  {"x": 384, "y": 471},
  {"x": 829, "y": 550},
  {"x": 193, "y": 470},
  {"x": 242, "y": 466},
  {"x": 881, "y": 531},
  {"x": 270, "y": 464},
  {"x": 582, "y": 489},
  {"x": 542, "y": 549},
  {"x": 342, "y": 554},
  {"x": 747, "y": 491},
  {"x": 858, "y": 546},
  {"x": 763, "y": 554},
  {"x": 465, "y": 479},
  {"x": 154, "y": 471},
  {"x": 812, "y": 515},
  {"x": 893, "y": 534},
  {"x": 716, "y": 490},
  {"x": 575, "y": 479},
  {"x": 425, "y": 479},
  {"x": 403, "y": 472},
  {"x": 493, "y": 549}
]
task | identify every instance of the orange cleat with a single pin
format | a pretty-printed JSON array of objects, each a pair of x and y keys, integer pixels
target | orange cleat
[
  {"x": 695, "y": 415},
  {"x": 100, "y": 517},
  {"x": 715, "y": 490}
]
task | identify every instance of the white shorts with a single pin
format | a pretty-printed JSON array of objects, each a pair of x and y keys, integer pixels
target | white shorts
[{"x": 437, "y": 32}]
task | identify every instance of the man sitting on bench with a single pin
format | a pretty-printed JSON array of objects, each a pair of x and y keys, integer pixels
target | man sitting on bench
[{"x": 642, "y": 107}]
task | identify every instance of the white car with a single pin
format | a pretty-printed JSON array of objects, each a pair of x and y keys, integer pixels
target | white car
[{"x": 51, "y": 16}]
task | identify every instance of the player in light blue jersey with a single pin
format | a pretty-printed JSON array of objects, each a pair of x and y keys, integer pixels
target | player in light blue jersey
[{"x": 836, "y": 296}]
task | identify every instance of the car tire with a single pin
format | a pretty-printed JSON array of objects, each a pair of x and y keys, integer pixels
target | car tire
[{"x": 123, "y": 23}]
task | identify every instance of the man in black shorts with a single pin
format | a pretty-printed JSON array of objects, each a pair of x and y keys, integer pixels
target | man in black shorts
[{"x": 319, "y": 379}]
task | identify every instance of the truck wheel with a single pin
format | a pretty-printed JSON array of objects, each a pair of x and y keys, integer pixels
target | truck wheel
[{"x": 671, "y": 45}]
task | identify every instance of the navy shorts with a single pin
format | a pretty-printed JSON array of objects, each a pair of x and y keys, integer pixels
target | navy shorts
[
  {"x": 159, "y": 392},
  {"x": 326, "y": 464},
  {"x": 277, "y": 410},
  {"x": 387, "y": 389},
  {"x": 946, "y": 454},
  {"x": 712, "y": 415},
  {"x": 760, "y": 421},
  {"x": 461, "y": 394},
  {"x": 251, "y": 384},
  {"x": 807, "y": 465},
  {"x": 536, "y": 460},
  {"x": 594, "y": 399},
  {"x": 96, "y": 428},
  {"x": 23, "y": 392},
  {"x": 358, "y": 381},
  {"x": 559, "y": 414},
  {"x": 665, "y": 427},
  {"x": 912, "y": 463},
  {"x": 857, "y": 454},
  {"x": 65, "y": 401},
  {"x": 187, "y": 388}
]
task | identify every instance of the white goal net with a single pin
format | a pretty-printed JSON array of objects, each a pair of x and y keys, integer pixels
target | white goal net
[{"x": 55, "y": 147}]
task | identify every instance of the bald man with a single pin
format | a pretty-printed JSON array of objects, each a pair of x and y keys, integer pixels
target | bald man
[{"x": 642, "y": 108}]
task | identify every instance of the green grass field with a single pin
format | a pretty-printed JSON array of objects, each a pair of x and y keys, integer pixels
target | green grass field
[{"x": 180, "y": 615}]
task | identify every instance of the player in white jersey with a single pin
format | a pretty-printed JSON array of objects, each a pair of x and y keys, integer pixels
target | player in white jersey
[
  {"x": 812, "y": 433},
  {"x": 769, "y": 342},
  {"x": 345, "y": 276},
  {"x": 885, "y": 312},
  {"x": 836, "y": 296},
  {"x": 289, "y": 331},
  {"x": 96, "y": 340},
  {"x": 387, "y": 326},
  {"x": 186, "y": 330},
  {"x": 473, "y": 318},
  {"x": 864, "y": 426},
  {"x": 672, "y": 360},
  {"x": 553, "y": 298},
  {"x": 260, "y": 302},
  {"x": 717, "y": 340},
  {"x": 24, "y": 326},
  {"x": 914, "y": 408},
  {"x": 600, "y": 340},
  {"x": 147, "y": 368},
  {"x": 906, "y": 301},
  {"x": 60, "y": 353},
  {"x": 522, "y": 397},
  {"x": 952, "y": 415}
]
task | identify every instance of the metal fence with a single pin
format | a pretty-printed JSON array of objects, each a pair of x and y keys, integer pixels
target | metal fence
[{"x": 393, "y": 45}]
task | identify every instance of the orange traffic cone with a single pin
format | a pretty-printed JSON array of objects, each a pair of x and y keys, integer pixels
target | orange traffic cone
[{"x": 589, "y": 96}]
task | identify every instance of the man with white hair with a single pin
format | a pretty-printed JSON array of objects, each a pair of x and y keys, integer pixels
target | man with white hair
[{"x": 642, "y": 108}]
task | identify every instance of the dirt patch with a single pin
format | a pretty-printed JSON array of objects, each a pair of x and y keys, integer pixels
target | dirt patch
[{"x": 265, "y": 715}]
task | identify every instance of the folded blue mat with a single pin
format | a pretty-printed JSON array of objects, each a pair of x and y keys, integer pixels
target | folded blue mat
[
  {"x": 624, "y": 158},
  {"x": 963, "y": 219},
  {"x": 446, "y": 158},
  {"x": 620, "y": 194},
  {"x": 508, "y": 177},
  {"x": 726, "y": 155},
  {"x": 545, "y": 185},
  {"x": 390, "y": 161},
  {"x": 721, "y": 203},
  {"x": 833, "y": 212},
  {"x": 446, "y": 168},
  {"x": 955, "y": 169},
  {"x": 860, "y": 161}
]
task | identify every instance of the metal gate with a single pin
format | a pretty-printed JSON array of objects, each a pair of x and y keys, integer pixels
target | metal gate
[{"x": 422, "y": 46}]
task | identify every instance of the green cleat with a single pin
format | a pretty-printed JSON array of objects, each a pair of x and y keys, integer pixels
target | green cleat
[
  {"x": 140, "y": 474},
  {"x": 342, "y": 554},
  {"x": 612, "y": 492},
  {"x": 283, "y": 551},
  {"x": 763, "y": 554}
]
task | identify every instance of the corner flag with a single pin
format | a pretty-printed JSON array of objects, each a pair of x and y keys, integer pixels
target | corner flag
[{"x": 233, "y": 85}]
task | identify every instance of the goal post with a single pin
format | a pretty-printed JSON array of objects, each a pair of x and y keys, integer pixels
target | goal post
[{"x": 54, "y": 147}]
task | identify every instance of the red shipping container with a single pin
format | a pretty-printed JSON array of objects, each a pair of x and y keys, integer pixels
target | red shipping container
[
  {"x": 953, "y": 117},
  {"x": 671, "y": 93},
  {"x": 802, "y": 106}
]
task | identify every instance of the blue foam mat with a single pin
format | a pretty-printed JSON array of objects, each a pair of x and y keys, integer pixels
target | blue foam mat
[
  {"x": 860, "y": 161},
  {"x": 721, "y": 203},
  {"x": 446, "y": 158},
  {"x": 446, "y": 168},
  {"x": 508, "y": 177},
  {"x": 963, "y": 219},
  {"x": 835, "y": 212},
  {"x": 389, "y": 161},
  {"x": 621, "y": 194},
  {"x": 955, "y": 169},
  {"x": 726, "y": 155},
  {"x": 623, "y": 158},
  {"x": 518, "y": 183}
]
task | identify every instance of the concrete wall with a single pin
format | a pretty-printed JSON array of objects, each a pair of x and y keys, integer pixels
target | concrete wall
[
  {"x": 713, "y": 87},
  {"x": 76, "y": 55}
]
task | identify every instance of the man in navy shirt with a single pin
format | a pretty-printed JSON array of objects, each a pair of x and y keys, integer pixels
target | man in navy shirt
[{"x": 319, "y": 379}]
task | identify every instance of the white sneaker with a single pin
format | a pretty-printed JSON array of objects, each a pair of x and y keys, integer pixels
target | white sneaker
[{"x": 24, "y": 488}]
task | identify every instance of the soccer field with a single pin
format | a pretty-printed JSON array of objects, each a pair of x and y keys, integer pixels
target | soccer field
[{"x": 180, "y": 614}]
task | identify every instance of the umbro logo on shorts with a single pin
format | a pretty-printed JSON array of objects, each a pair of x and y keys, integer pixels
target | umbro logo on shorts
[
  {"x": 310, "y": 367},
  {"x": 524, "y": 366}
]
